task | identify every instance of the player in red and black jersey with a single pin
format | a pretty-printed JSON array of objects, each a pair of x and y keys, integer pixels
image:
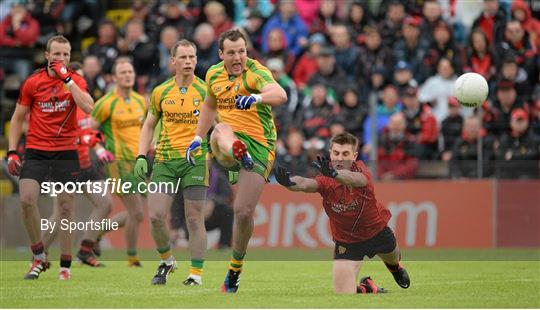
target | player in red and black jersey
[
  {"x": 357, "y": 220},
  {"x": 51, "y": 95}
]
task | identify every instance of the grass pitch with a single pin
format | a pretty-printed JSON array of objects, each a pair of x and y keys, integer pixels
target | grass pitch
[{"x": 279, "y": 284}]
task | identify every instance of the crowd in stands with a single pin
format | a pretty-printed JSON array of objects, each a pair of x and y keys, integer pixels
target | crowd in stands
[{"x": 382, "y": 69}]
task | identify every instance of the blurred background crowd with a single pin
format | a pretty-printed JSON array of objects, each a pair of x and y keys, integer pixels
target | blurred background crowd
[{"x": 380, "y": 69}]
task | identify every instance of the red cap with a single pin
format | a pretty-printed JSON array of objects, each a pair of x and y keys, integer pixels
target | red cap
[{"x": 519, "y": 113}]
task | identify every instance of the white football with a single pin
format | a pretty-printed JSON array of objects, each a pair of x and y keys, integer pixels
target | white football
[{"x": 471, "y": 89}]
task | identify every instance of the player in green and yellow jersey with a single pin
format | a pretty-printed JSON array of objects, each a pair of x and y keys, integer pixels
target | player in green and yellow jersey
[
  {"x": 176, "y": 102},
  {"x": 120, "y": 114},
  {"x": 241, "y": 92}
]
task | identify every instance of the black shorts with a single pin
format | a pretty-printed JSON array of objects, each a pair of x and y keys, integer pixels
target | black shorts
[
  {"x": 90, "y": 174},
  {"x": 382, "y": 243},
  {"x": 57, "y": 166}
]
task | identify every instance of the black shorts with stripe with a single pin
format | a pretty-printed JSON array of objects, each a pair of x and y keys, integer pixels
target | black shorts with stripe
[
  {"x": 382, "y": 243},
  {"x": 57, "y": 166}
]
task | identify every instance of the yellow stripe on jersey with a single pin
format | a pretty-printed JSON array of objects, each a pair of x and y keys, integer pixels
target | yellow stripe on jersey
[
  {"x": 256, "y": 122},
  {"x": 121, "y": 122},
  {"x": 179, "y": 109}
]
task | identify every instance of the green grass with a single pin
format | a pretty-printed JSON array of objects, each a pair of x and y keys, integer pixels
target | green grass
[{"x": 278, "y": 284}]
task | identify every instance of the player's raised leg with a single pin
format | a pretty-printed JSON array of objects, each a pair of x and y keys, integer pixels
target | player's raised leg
[
  {"x": 29, "y": 193},
  {"x": 228, "y": 149},
  {"x": 158, "y": 205}
]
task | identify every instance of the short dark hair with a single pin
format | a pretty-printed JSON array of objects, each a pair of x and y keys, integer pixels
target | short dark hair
[
  {"x": 233, "y": 35},
  {"x": 57, "y": 38},
  {"x": 183, "y": 42},
  {"x": 121, "y": 60},
  {"x": 345, "y": 139}
]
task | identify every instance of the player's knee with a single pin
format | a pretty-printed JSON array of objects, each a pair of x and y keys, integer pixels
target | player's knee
[
  {"x": 138, "y": 216},
  {"x": 194, "y": 221},
  {"x": 244, "y": 214},
  {"x": 157, "y": 218},
  {"x": 65, "y": 209},
  {"x": 28, "y": 201}
]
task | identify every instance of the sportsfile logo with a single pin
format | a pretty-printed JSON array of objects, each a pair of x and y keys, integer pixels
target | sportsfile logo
[{"x": 109, "y": 185}]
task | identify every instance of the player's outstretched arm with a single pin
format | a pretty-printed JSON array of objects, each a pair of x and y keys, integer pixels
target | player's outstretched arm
[
  {"x": 351, "y": 178},
  {"x": 295, "y": 183}
]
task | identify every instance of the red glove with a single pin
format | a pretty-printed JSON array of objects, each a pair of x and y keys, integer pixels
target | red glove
[
  {"x": 61, "y": 71},
  {"x": 91, "y": 138},
  {"x": 14, "y": 163},
  {"x": 105, "y": 156}
]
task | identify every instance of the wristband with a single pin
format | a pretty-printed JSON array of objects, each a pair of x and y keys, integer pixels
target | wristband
[
  {"x": 141, "y": 156},
  {"x": 197, "y": 139},
  {"x": 258, "y": 98},
  {"x": 69, "y": 81},
  {"x": 12, "y": 152}
]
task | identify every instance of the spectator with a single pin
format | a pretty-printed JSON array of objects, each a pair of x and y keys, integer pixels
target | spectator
[
  {"x": 217, "y": 17},
  {"x": 169, "y": 36},
  {"x": 96, "y": 83},
  {"x": 292, "y": 25},
  {"x": 329, "y": 74},
  {"x": 318, "y": 112},
  {"x": 353, "y": 112},
  {"x": 47, "y": 14},
  {"x": 518, "y": 152},
  {"x": 510, "y": 70},
  {"x": 438, "y": 88},
  {"x": 285, "y": 113},
  {"x": 391, "y": 25},
  {"x": 403, "y": 77},
  {"x": 326, "y": 17},
  {"x": 443, "y": 45},
  {"x": 491, "y": 21},
  {"x": 144, "y": 53},
  {"x": 535, "y": 120},
  {"x": 19, "y": 32},
  {"x": 105, "y": 48},
  {"x": 432, "y": 16},
  {"x": 307, "y": 65},
  {"x": 254, "y": 27},
  {"x": 243, "y": 9},
  {"x": 277, "y": 48},
  {"x": 346, "y": 51},
  {"x": 307, "y": 9},
  {"x": 358, "y": 19},
  {"x": 397, "y": 155},
  {"x": 292, "y": 155},
  {"x": 390, "y": 105},
  {"x": 480, "y": 58},
  {"x": 517, "y": 41},
  {"x": 175, "y": 14},
  {"x": 377, "y": 82},
  {"x": 207, "y": 49},
  {"x": 522, "y": 12},
  {"x": 451, "y": 128},
  {"x": 421, "y": 124},
  {"x": 497, "y": 117},
  {"x": 412, "y": 47},
  {"x": 372, "y": 53},
  {"x": 463, "y": 162}
]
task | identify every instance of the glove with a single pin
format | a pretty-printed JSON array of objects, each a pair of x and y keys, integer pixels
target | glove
[
  {"x": 14, "y": 163},
  {"x": 60, "y": 70},
  {"x": 245, "y": 102},
  {"x": 283, "y": 177},
  {"x": 141, "y": 167},
  {"x": 323, "y": 165},
  {"x": 192, "y": 149},
  {"x": 91, "y": 138},
  {"x": 105, "y": 156}
]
